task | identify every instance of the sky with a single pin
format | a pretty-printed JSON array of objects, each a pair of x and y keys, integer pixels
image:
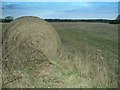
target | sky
[
  {"x": 61, "y": 10},
  {"x": 60, "y": 0}
]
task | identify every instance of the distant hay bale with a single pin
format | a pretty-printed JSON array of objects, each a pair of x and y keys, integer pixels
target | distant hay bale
[{"x": 30, "y": 39}]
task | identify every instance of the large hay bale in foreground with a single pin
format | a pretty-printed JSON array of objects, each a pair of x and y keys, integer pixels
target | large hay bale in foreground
[{"x": 31, "y": 39}]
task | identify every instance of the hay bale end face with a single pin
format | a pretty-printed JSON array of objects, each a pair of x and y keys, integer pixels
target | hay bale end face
[{"x": 30, "y": 39}]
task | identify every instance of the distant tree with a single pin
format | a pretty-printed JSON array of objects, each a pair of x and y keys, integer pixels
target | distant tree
[
  {"x": 118, "y": 17},
  {"x": 116, "y": 21},
  {"x": 8, "y": 19}
]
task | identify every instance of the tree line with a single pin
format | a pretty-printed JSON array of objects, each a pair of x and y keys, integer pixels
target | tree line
[
  {"x": 84, "y": 20},
  {"x": 116, "y": 21},
  {"x": 7, "y": 19}
]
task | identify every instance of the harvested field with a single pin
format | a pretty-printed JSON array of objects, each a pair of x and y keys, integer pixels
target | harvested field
[{"x": 88, "y": 59}]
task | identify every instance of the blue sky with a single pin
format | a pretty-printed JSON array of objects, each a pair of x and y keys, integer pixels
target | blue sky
[{"x": 63, "y": 10}]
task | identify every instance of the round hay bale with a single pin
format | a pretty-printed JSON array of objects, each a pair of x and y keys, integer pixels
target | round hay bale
[{"x": 31, "y": 39}]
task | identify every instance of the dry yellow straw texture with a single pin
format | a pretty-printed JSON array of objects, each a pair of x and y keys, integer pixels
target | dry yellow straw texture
[{"x": 30, "y": 39}]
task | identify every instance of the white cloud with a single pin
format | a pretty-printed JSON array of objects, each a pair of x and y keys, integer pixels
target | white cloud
[{"x": 60, "y": 0}]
